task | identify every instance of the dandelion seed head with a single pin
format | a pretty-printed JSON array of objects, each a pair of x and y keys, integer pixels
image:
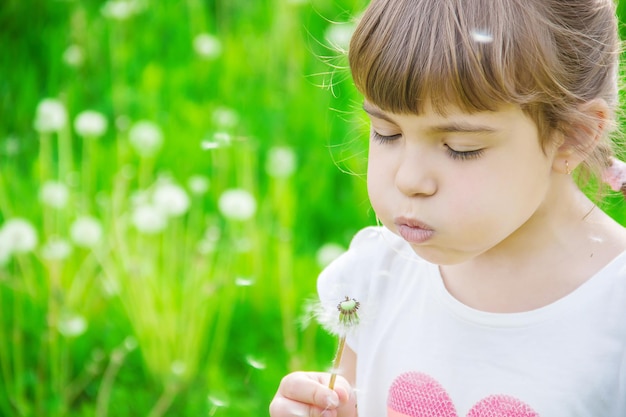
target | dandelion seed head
[
  {"x": 119, "y": 9},
  {"x": 86, "y": 232},
  {"x": 171, "y": 199},
  {"x": 207, "y": 46},
  {"x": 74, "y": 56},
  {"x": 90, "y": 124},
  {"x": 146, "y": 138},
  {"x": 348, "y": 312},
  {"x": 225, "y": 118},
  {"x": 198, "y": 184},
  {"x": 256, "y": 363},
  {"x": 56, "y": 249},
  {"x": 50, "y": 116},
  {"x": 328, "y": 253},
  {"x": 481, "y": 36},
  {"x": 20, "y": 235},
  {"x": 237, "y": 204},
  {"x": 54, "y": 194},
  {"x": 339, "y": 35},
  {"x": 71, "y": 325},
  {"x": 148, "y": 219},
  {"x": 281, "y": 162}
]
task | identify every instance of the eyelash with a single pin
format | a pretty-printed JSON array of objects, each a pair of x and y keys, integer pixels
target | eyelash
[{"x": 456, "y": 155}]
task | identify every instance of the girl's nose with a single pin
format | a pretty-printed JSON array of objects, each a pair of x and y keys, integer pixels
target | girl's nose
[{"x": 414, "y": 177}]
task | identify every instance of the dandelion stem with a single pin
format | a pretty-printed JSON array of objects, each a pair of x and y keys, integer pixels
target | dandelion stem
[{"x": 337, "y": 362}]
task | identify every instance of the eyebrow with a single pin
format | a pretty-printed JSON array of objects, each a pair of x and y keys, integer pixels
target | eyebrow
[{"x": 450, "y": 127}]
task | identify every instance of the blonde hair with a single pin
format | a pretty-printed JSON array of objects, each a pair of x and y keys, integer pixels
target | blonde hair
[{"x": 547, "y": 56}]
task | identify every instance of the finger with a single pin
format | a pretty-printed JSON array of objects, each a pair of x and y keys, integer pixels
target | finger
[
  {"x": 285, "y": 407},
  {"x": 309, "y": 388}
]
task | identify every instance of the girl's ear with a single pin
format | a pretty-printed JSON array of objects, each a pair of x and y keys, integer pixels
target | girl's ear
[{"x": 580, "y": 139}]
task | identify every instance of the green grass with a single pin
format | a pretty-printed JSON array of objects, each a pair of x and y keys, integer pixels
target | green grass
[{"x": 202, "y": 316}]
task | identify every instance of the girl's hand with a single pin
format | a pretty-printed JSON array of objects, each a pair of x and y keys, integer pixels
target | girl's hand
[{"x": 306, "y": 394}]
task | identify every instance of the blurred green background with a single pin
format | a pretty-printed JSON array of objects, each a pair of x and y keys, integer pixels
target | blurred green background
[{"x": 173, "y": 177}]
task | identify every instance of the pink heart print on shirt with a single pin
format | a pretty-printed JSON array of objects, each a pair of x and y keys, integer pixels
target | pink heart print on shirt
[{"x": 414, "y": 394}]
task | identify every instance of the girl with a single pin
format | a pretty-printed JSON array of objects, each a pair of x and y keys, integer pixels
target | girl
[{"x": 494, "y": 287}]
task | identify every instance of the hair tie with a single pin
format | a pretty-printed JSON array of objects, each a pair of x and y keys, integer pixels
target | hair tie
[{"x": 615, "y": 174}]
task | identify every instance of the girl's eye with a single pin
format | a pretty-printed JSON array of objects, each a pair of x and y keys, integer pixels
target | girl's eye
[
  {"x": 384, "y": 139},
  {"x": 464, "y": 155}
]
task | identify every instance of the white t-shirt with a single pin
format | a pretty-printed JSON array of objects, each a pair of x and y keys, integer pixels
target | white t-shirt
[{"x": 421, "y": 352}]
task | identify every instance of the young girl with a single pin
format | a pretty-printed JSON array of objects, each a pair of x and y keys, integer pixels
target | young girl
[{"x": 494, "y": 287}]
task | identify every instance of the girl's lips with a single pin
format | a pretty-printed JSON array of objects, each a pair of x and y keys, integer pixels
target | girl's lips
[{"x": 413, "y": 231}]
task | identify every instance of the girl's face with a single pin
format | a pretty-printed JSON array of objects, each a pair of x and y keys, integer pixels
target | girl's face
[{"x": 459, "y": 185}]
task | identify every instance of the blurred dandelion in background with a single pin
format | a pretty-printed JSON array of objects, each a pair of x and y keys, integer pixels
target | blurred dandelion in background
[
  {"x": 148, "y": 219},
  {"x": 207, "y": 46},
  {"x": 90, "y": 124},
  {"x": 74, "y": 56},
  {"x": 281, "y": 162},
  {"x": 71, "y": 324},
  {"x": 86, "y": 232},
  {"x": 198, "y": 184},
  {"x": 20, "y": 235},
  {"x": 171, "y": 199},
  {"x": 54, "y": 194},
  {"x": 50, "y": 116},
  {"x": 237, "y": 204},
  {"x": 146, "y": 138},
  {"x": 225, "y": 118},
  {"x": 56, "y": 249},
  {"x": 121, "y": 9}
]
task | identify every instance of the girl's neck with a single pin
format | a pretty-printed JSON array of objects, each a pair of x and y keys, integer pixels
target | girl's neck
[{"x": 559, "y": 249}]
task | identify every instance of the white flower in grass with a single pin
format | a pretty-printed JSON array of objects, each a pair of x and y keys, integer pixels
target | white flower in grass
[
  {"x": 328, "y": 253},
  {"x": 56, "y": 249},
  {"x": 54, "y": 194},
  {"x": 50, "y": 116},
  {"x": 225, "y": 118},
  {"x": 20, "y": 235},
  {"x": 207, "y": 46},
  {"x": 281, "y": 162},
  {"x": 74, "y": 56},
  {"x": 146, "y": 138},
  {"x": 171, "y": 199},
  {"x": 71, "y": 325},
  {"x": 90, "y": 124},
  {"x": 86, "y": 232},
  {"x": 339, "y": 34},
  {"x": 198, "y": 184},
  {"x": 148, "y": 219},
  {"x": 237, "y": 204}
]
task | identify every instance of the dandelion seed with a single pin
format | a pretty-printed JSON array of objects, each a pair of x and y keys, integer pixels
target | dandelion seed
[
  {"x": 56, "y": 249},
  {"x": 50, "y": 116},
  {"x": 146, "y": 138},
  {"x": 171, "y": 199},
  {"x": 71, "y": 325},
  {"x": 255, "y": 363},
  {"x": 481, "y": 37},
  {"x": 90, "y": 124},
  {"x": 225, "y": 118},
  {"x": 198, "y": 184},
  {"x": 217, "y": 401},
  {"x": 54, "y": 194},
  {"x": 339, "y": 35},
  {"x": 74, "y": 56},
  {"x": 86, "y": 232},
  {"x": 148, "y": 219},
  {"x": 237, "y": 204},
  {"x": 207, "y": 46},
  {"x": 244, "y": 282},
  {"x": 281, "y": 162},
  {"x": 328, "y": 253},
  {"x": 218, "y": 140},
  {"x": 20, "y": 235}
]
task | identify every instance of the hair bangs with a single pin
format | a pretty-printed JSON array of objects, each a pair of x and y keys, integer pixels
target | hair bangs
[{"x": 418, "y": 52}]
